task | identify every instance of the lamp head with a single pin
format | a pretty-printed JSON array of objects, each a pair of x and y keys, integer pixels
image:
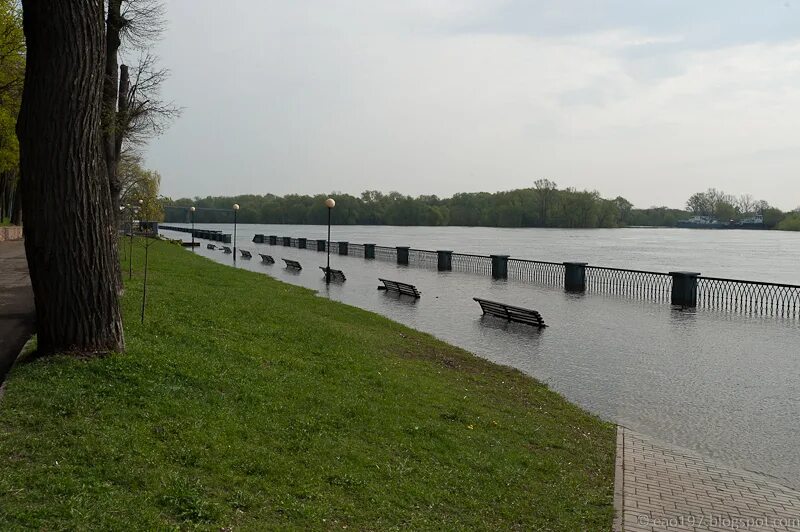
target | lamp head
[
  {"x": 192, "y": 208},
  {"x": 330, "y": 203},
  {"x": 141, "y": 202},
  {"x": 235, "y": 206}
]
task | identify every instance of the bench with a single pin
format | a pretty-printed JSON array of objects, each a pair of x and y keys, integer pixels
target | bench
[
  {"x": 245, "y": 254},
  {"x": 511, "y": 313},
  {"x": 292, "y": 264},
  {"x": 397, "y": 286},
  {"x": 211, "y": 246},
  {"x": 226, "y": 249},
  {"x": 267, "y": 258},
  {"x": 336, "y": 275}
]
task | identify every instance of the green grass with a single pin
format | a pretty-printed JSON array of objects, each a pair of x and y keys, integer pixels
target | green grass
[{"x": 244, "y": 402}]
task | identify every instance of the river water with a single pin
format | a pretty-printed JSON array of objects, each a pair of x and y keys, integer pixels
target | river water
[{"x": 722, "y": 384}]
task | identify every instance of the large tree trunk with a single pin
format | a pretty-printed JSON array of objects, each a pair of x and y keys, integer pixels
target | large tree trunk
[
  {"x": 114, "y": 23},
  {"x": 70, "y": 238}
]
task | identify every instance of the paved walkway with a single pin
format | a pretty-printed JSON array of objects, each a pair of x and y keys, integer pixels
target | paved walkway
[
  {"x": 16, "y": 303},
  {"x": 662, "y": 488}
]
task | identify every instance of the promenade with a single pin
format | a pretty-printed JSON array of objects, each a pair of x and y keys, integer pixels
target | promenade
[
  {"x": 17, "y": 310},
  {"x": 659, "y": 488}
]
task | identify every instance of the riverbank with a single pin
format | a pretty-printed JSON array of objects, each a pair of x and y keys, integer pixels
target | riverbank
[{"x": 247, "y": 402}]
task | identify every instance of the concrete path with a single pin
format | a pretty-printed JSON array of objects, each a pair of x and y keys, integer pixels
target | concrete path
[
  {"x": 664, "y": 488},
  {"x": 17, "y": 311}
]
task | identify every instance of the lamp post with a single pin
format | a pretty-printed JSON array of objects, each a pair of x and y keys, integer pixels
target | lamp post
[
  {"x": 130, "y": 243},
  {"x": 330, "y": 203},
  {"x": 235, "y": 211},
  {"x": 191, "y": 210}
]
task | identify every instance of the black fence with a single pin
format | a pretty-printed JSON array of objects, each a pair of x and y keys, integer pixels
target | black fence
[
  {"x": 654, "y": 286},
  {"x": 750, "y": 297},
  {"x": 685, "y": 289}
]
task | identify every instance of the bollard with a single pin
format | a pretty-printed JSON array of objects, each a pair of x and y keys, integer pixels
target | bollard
[
  {"x": 321, "y": 245},
  {"x": 499, "y": 266},
  {"x": 575, "y": 276},
  {"x": 369, "y": 251},
  {"x": 287, "y": 241},
  {"x": 402, "y": 255},
  {"x": 445, "y": 262},
  {"x": 343, "y": 248},
  {"x": 301, "y": 243},
  {"x": 258, "y": 239},
  {"x": 684, "y": 288},
  {"x": 273, "y": 240}
]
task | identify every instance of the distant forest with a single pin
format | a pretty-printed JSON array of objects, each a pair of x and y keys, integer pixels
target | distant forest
[{"x": 544, "y": 205}]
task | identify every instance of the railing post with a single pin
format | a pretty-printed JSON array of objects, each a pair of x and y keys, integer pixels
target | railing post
[
  {"x": 369, "y": 251},
  {"x": 273, "y": 240},
  {"x": 575, "y": 276},
  {"x": 445, "y": 262},
  {"x": 402, "y": 255},
  {"x": 499, "y": 266},
  {"x": 287, "y": 241},
  {"x": 684, "y": 288},
  {"x": 343, "y": 248},
  {"x": 301, "y": 243},
  {"x": 321, "y": 244}
]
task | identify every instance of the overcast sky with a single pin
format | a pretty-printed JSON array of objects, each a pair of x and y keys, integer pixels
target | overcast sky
[{"x": 651, "y": 100}]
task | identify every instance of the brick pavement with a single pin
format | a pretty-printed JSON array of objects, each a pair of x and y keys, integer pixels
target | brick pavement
[{"x": 660, "y": 488}]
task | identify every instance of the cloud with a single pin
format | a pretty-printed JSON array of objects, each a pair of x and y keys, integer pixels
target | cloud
[{"x": 415, "y": 96}]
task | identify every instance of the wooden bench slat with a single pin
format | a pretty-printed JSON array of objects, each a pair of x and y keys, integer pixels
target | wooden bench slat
[
  {"x": 511, "y": 313},
  {"x": 226, "y": 249},
  {"x": 397, "y": 286},
  {"x": 337, "y": 275},
  {"x": 293, "y": 264},
  {"x": 267, "y": 258},
  {"x": 245, "y": 254}
]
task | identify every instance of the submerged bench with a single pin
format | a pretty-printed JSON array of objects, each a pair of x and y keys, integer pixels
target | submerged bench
[
  {"x": 211, "y": 246},
  {"x": 226, "y": 249},
  {"x": 245, "y": 254},
  {"x": 336, "y": 275},
  {"x": 267, "y": 258},
  {"x": 397, "y": 286},
  {"x": 511, "y": 313},
  {"x": 292, "y": 264}
]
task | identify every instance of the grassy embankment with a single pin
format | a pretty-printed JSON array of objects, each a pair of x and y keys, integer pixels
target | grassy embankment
[{"x": 250, "y": 403}]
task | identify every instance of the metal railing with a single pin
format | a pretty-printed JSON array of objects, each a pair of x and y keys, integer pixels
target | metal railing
[
  {"x": 749, "y": 297},
  {"x": 423, "y": 258},
  {"x": 730, "y": 295},
  {"x": 465, "y": 262},
  {"x": 548, "y": 273},
  {"x": 355, "y": 250},
  {"x": 639, "y": 284},
  {"x": 386, "y": 253}
]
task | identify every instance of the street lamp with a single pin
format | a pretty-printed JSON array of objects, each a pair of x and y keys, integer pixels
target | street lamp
[
  {"x": 235, "y": 211},
  {"x": 130, "y": 244},
  {"x": 192, "y": 209},
  {"x": 330, "y": 203}
]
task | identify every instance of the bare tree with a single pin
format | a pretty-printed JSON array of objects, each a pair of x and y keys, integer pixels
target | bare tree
[
  {"x": 133, "y": 111},
  {"x": 746, "y": 203}
]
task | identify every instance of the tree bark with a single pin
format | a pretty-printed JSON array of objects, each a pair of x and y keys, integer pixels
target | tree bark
[
  {"x": 70, "y": 236},
  {"x": 114, "y": 23}
]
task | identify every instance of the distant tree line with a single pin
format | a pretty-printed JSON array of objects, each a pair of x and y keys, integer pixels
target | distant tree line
[{"x": 543, "y": 205}]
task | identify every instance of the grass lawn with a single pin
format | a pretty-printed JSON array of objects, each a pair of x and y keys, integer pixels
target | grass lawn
[{"x": 247, "y": 403}]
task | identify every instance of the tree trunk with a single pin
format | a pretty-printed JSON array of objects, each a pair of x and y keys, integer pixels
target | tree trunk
[
  {"x": 70, "y": 237},
  {"x": 114, "y": 24}
]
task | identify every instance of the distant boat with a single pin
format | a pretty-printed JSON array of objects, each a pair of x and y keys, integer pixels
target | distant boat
[
  {"x": 701, "y": 222},
  {"x": 709, "y": 222}
]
